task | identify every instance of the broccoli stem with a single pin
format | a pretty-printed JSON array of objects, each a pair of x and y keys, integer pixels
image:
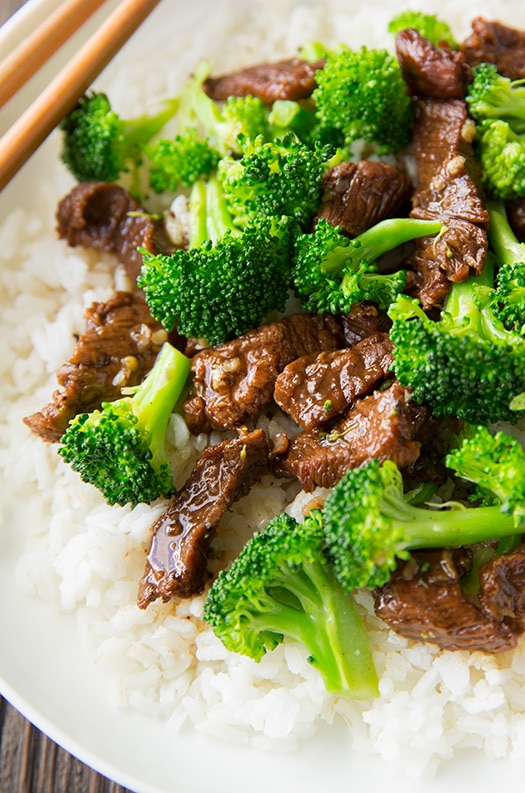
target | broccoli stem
[
  {"x": 327, "y": 622},
  {"x": 210, "y": 217},
  {"x": 198, "y": 216},
  {"x": 492, "y": 96},
  {"x": 219, "y": 219},
  {"x": 451, "y": 527},
  {"x": 139, "y": 131},
  {"x": 502, "y": 238},
  {"x": 463, "y": 313},
  {"x": 377, "y": 240},
  {"x": 153, "y": 400}
]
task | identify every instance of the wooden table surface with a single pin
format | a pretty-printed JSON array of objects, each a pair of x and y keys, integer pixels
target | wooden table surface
[{"x": 29, "y": 761}]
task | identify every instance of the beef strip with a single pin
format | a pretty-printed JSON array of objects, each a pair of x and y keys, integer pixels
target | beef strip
[
  {"x": 363, "y": 320},
  {"x": 234, "y": 381},
  {"x": 434, "y": 436},
  {"x": 96, "y": 215},
  {"x": 424, "y": 601},
  {"x": 289, "y": 79},
  {"x": 356, "y": 196},
  {"x": 493, "y": 42},
  {"x": 425, "y": 279},
  {"x": 431, "y": 70},
  {"x": 383, "y": 425},
  {"x": 516, "y": 215},
  {"x": 448, "y": 190},
  {"x": 316, "y": 388},
  {"x": 117, "y": 349},
  {"x": 502, "y": 586},
  {"x": 181, "y": 537}
]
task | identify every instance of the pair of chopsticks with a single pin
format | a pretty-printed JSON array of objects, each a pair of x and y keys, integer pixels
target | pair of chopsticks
[{"x": 62, "y": 93}]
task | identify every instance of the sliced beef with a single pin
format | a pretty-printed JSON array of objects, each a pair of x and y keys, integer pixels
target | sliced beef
[
  {"x": 430, "y": 70},
  {"x": 426, "y": 280},
  {"x": 465, "y": 245},
  {"x": 424, "y": 601},
  {"x": 289, "y": 79},
  {"x": 384, "y": 425},
  {"x": 118, "y": 348},
  {"x": 502, "y": 586},
  {"x": 363, "y": 320},
  {"x": 448, "y": 190},
  {"x": 181, "y": 537},
  {"x": 316, "y": 388},
  {"x": 234, "y": 381},
  {"x": 97, "y": 215},
  {"x": 493, "y": 42},
  {"x": 516, "y": 215},
  {"x": 356, "y": 196},
  {"x": 434, "y": 436}
]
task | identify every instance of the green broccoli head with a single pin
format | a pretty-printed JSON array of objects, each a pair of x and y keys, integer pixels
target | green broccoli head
[
  {"x": 332, "y": 272},
  {"x": 501, "y": 153},
  {"x": 498, "y": 106},
  {"x": 495, "y": 462},
  {"x": 508, "y": 298},
  {"x": 282, "y": 586},
  {"x": 222, "y": 123},
  {"x": 120, "y": 448},
  {"x": 242, "y": 118},
  {"x": 465, "y": 364},
  {"x": 361, "y": 517},
  {"x": 220, "y": 289},
  {"x": 492, "y": 96},
  {"x": 370, "y": 522},
  {"x": 287, "y": 115},
  {"x": 91, "y": 143},
  {"x": 180, "y": 161},
  {"x": 273, "y": 178},
  {"x": 98, "y": 144},
  {"x": 363, "y": 94},
  {"x": 428, "y": 25}
]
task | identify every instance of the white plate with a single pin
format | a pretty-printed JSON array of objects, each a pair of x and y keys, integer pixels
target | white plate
[{"x": 44, "y": 671}]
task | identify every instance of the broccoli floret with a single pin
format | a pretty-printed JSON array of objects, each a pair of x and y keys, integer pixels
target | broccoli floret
[
  {"x": 98, "y": 144},
  {"x": 228, "y": 281},
  {"x": 180, "y": 161},
  {"x": 362, "y": 93},
  {"x": 369, "y": 523},
  {"x": 287, "y": 115},
  {"x": 465, "y": 363},
  {"x": 221, "y": 123},
  {"x": 428, "y": 25},
  {"x": 494, "y": 462},
  {"x": 498, "y": 106},
  {"x": 239, "y": 118},
  {"x": 282, "y": 585},
  {"x": 274, "y": 178},
  {"x": 501, "y": 154},
  {"x": 206, "y": 131},
  {"x": 332, "y": 272},
  {"x": 508, "y": 299},
  {"x": 120, "y": 449},
  {"x": 492, "y": 96}
]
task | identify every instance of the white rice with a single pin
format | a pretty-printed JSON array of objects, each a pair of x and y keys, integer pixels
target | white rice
[{"x": 86, "y": 557}]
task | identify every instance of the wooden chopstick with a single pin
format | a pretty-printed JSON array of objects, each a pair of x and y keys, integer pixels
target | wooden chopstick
[
  {"x": 60, "y": 96},
  {"x": 34, "y": 50}
]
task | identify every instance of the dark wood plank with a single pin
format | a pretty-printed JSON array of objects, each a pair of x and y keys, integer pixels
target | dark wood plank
[{"x": 30, "y": 762}]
